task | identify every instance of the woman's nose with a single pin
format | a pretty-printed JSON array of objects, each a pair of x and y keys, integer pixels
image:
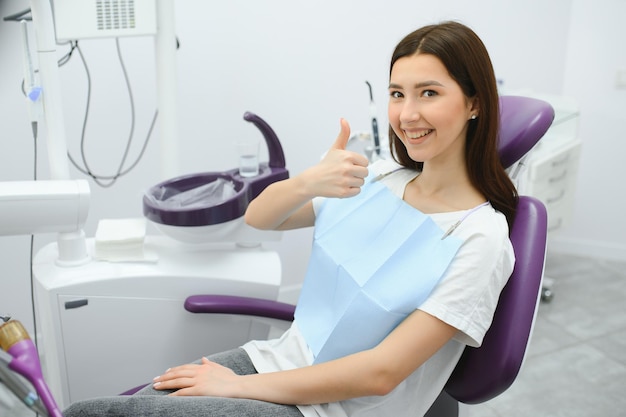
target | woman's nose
[{"x": 410, "y": 112}]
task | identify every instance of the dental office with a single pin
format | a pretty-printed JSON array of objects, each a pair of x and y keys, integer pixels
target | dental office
[{"x": 105, "y": 308}]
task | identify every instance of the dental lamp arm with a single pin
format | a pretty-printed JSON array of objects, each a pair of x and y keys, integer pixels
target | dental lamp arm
[{"x": 29, "y": 207}]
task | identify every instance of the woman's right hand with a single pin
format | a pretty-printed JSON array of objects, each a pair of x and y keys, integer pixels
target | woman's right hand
[
  {"x": 287, "y": 204},
  {"x": 341, "y": 173}
]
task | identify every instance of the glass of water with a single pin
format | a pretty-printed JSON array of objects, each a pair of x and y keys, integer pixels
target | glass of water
[{"x": 248, "y": 150}]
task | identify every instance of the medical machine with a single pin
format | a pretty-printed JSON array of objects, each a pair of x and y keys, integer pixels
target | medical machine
[
  {"x": 110, "y": 308},
  {"x": 120, "y": 316}
]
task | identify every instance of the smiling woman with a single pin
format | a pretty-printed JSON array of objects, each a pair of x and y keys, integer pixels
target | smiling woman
[
  {"x": 406, "y": 267},
  {"x": 436, "y": 67},
  {"x": 429, "y": 114}
]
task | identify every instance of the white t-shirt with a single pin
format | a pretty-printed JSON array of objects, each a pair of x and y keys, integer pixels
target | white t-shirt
[{"x": 465, "y": 298}]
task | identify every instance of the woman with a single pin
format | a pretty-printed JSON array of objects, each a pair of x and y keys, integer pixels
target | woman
[{"x": 377, "y": 330}]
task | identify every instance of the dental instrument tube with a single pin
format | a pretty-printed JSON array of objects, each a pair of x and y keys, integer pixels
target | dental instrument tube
[
  {"x": 374, "y": 121},
  {"x": 33, "y": 91},
  {"x": 51, "y": 89},
  {"x": 165, "y": 51},
  {"x": 375, "y": 130},
  {"x": 14, "y": 340},
  {"x": 20, "y": 389}
]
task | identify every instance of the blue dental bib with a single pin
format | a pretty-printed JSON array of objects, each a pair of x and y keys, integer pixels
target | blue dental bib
[{"x": 374, "y": 260}]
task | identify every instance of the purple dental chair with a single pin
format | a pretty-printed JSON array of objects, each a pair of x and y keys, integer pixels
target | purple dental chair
[
  {"x": 485, "y": 372},
  {"x": 482, "y": 373}
]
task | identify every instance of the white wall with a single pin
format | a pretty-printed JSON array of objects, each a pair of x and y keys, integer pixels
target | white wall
[
  {"x": 595, "y": 54},
  {"x": 299, "y": 65}
]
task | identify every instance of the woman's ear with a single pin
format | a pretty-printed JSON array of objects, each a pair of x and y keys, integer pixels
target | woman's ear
[{"x": 475, "y": 106}]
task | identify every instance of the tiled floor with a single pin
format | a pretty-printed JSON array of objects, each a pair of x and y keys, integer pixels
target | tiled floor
[{"x": 576, "y": 364}]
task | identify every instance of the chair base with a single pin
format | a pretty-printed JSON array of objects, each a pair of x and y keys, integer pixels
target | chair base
[
  {"x": 444, "y": 406},
  {"x": 547, "y": 293}
]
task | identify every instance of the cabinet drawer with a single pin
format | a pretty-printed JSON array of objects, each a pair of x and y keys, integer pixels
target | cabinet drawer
[
  {"x": 559, "y": 212},
  {"x": 550, "y": 167},
  {"x": 554, "y": 189},
  {"x": 551, "y": 177}
]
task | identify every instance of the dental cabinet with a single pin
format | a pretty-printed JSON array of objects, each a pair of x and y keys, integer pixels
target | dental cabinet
[
  {"x": 107, "y": 327},
  {"x": 552, "y": 167}
]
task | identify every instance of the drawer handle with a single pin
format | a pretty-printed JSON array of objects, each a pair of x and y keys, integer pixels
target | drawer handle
[
  {"x": 561, "y": 161},
  {"x": 557, "y": 225},
  {"x": 555, "y": 199},
  {"x": 558, "y": 178},
  {"x": 70, "y": 305}
]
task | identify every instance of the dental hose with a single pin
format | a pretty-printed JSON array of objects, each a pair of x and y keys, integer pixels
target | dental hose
[{"x": 15, "y": 341}]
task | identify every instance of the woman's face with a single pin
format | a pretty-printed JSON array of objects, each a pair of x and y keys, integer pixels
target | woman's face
[{"x": 427, "y": 109}]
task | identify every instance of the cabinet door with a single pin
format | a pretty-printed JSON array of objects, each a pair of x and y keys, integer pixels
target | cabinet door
[{"x": 114, "y": 344}]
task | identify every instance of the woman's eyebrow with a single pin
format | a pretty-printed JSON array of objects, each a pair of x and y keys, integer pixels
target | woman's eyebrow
[{"x": 422, "y": 84}]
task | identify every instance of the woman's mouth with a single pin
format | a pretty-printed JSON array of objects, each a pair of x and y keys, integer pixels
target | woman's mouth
[{"x": 415, "y": 135}]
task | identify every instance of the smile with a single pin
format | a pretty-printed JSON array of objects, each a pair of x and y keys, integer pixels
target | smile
[{"x": 417, "y": 135}]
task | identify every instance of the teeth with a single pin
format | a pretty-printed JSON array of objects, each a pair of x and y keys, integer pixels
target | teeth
[{"x": 418, "y": 135}]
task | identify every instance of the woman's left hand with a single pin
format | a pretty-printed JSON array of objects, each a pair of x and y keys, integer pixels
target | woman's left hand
[{"x": 207, "y": 378}]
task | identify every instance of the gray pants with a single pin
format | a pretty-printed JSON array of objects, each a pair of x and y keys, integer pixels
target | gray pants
[{"x": 152, "y": 403}]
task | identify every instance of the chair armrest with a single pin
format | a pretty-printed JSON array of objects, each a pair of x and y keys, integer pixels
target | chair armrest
[{"x": 249, "y": 306}]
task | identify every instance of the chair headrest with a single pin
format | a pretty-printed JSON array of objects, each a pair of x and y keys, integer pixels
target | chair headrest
[{"x": 523, "y": 121}]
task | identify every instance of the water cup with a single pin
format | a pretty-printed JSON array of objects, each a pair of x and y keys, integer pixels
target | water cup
[{"x": 248, "y": 150}]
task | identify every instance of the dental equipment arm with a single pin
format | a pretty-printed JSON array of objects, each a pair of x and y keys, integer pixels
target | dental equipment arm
[
  {"x": 28, "y": 207},
  {"x": 59, "y": 205},
  {"x": 165, "y": 55},
  {"x": 51, "y": 89},
  {"x": 15, "y": 341}
]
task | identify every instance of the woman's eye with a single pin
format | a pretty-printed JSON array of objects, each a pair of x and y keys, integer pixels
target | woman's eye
[
  {"x": 395, "y": 94},
  {"x": 429, "y": 93}
]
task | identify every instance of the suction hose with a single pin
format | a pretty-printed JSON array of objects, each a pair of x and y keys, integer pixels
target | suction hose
[{"x": 15, "y": 341}]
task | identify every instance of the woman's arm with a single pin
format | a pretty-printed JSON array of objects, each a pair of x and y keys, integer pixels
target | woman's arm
[
  {"x": 287, "y": 204},
  {"x": 372, "y": 372}
]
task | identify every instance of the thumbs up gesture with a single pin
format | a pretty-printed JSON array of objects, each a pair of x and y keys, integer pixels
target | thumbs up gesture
[{"x": 340, "y": 173}]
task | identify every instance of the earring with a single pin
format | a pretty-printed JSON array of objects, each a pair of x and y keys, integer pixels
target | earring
[{"x": 474, "y": 117}]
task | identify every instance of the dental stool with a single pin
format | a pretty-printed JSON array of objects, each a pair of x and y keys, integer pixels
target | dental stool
[{"x": 485, "y": 372}]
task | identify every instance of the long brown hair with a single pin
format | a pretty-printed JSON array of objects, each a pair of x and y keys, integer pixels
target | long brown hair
[{"x": 465, "y": 57}]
